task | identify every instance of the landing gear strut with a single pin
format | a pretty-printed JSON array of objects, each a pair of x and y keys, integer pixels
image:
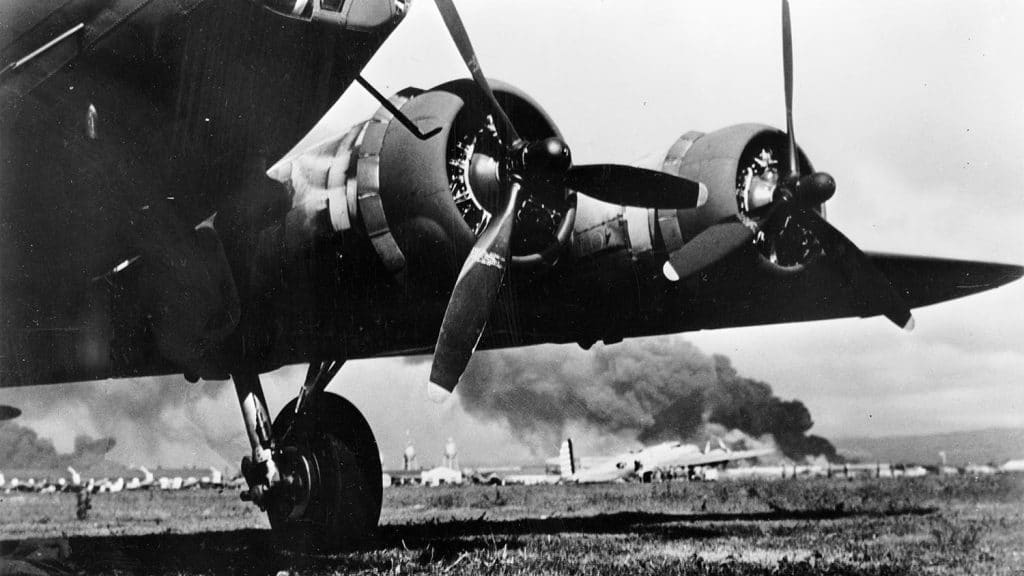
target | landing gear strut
[{"x": 316, "y": 470}]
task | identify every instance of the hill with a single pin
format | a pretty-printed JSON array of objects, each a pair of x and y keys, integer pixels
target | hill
[{"x": 994, "y": 445}]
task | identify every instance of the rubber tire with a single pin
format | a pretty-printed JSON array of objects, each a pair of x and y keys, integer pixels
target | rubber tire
[{"x": 346, "y": 508}]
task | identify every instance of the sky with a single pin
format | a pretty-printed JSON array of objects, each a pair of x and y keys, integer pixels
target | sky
[{"x": 915, "y": 107}]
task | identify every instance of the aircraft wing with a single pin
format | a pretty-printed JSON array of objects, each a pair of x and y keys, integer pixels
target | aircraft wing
[
  {"x": 713, "y": 458},
  {"x": 741, "y": 290},
  {"x": 924, "y": 280}
]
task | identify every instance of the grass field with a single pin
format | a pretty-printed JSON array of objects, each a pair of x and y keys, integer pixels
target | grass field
[{"x": 933, "y": 525}]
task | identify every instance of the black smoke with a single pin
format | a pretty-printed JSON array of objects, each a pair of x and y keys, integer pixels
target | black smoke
[
  {"x": 648, "y": 389},
  {"x": 21, "y": 447}
]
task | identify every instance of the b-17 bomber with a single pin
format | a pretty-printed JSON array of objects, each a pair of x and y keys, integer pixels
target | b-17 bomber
[{"x": 153, "y": 222}]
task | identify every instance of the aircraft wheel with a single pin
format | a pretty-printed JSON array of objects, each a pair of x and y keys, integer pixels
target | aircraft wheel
[{"x": 332, "y": 467}]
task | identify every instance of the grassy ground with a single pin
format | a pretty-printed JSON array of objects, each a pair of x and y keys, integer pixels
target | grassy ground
[{"x": 956, "y": 525}]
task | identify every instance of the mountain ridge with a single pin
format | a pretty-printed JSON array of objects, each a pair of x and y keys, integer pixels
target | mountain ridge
[{"x": 989, "y": 445}]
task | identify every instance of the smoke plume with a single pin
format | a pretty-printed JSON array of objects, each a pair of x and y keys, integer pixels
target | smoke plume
[
  {"x": 639, "y": 390},
  {"x": 648, "y": 389},
  {"x": 155, "y": 421},
  {"x": 21, "y": 447}
]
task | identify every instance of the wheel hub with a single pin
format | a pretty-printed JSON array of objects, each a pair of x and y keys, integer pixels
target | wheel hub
[{"x": 299, "y": 480}]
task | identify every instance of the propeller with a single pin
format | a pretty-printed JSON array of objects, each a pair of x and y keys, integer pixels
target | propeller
[
  {"x": 8, "y": 412},
  {"x": 522, "y": 164},
  {"x": 793, "y": 198}
]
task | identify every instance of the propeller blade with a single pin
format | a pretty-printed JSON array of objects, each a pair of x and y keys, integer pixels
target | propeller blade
[
  {"x": 8, "y": 412},
  {"x": 858, "y": 269},
  {"x": 631, "y": 186},
  {"x": 711, "y": 245},
  {"x": 453, "y": 22},
  {"x": 787, "y": 72},
  {"x": 474, "y": 295}
]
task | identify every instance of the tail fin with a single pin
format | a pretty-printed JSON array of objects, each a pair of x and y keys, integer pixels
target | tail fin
[
  {"x": 566, "y": 459},
  {"x": 723, "y": 446}
]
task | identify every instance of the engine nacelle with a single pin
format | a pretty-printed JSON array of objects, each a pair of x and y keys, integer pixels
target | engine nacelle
[
  {"x": 741, "y": 166},
  {"x": 439, "y": 194},
  {"x": 423, "y": 202}
]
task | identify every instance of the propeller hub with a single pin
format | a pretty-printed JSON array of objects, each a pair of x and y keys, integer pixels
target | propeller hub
[
  {"x": 807, "y": 191},
  {"x": 546, "y": 159},
  {"x": 814, "y": 189}
]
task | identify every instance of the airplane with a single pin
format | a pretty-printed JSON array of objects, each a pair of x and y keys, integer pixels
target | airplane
[
  {"x": 647, "y": 462},
  {"x": 110, "y": 486},
  {"x": 1008, "y": 466},
  {"x": 147, "y": 480},
  {"x": 214, "y": 480},
  {"x": 147, "y": 227},
  {"x": 76, "y": 480}
]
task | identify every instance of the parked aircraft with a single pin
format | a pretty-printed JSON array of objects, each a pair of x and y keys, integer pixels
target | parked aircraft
[
  {"x": 142, "y": 235},
  {"x": 214, "y": 480},
  {"x": 76, "y": 479},
  {"x": 1008, "y": 466},
  {"x": 111, "y": 486},
  {"x": 649, "y": 461},
  {"x": 980, "y": 469},
  {"x": 114, "y": 484},
  {"x": 147, "y": 480}
]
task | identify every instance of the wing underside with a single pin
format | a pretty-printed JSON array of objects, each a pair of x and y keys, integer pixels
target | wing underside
[
  {"x": 740, "y": 292},
  {"x": 924, "y": 280}
]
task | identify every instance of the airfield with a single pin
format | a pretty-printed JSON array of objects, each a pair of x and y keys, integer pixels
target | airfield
[{"x": 934, "y": 524}]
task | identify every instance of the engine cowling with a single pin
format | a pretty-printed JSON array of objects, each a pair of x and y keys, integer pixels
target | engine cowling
[
  {"x": 741, "y": 165},
  {"x": 423, "y": 202},
  {"x": 440, "y": 193}
]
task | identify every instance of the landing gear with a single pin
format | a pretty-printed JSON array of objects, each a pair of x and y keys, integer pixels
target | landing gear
[
  {"x": 333, "y": 455},
  {"x": 316, "y": 470}
]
